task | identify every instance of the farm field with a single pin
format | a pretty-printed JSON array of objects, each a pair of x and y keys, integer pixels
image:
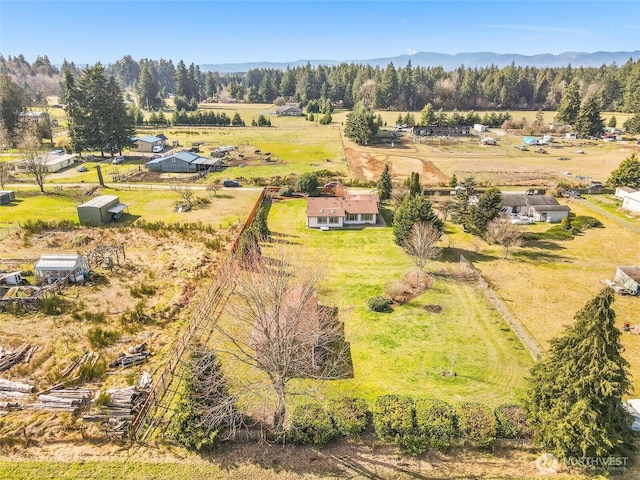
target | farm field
[
  {"x": 546, "y": 282},
  {"x": 225, "y": 208},
  {"x": 406, "y": 351}
]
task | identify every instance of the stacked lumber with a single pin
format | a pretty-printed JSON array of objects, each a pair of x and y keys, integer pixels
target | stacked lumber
[
  {"x": 8, "y": 358},
  {"x": 10, "y": 406},
  {"x": 64, "y": 400},
  {"x": 137, "y": 357},
  {"x": 121, "y": 409},
  {"x": 9, "y": 386}
]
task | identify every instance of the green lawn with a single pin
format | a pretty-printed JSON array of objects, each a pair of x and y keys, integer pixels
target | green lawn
[
  {"x": 227, "y": 208},
  {"x": 405, "y": 352}
]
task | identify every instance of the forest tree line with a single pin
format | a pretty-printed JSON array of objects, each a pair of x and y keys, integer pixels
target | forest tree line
[{"x": 408, "y": 88}]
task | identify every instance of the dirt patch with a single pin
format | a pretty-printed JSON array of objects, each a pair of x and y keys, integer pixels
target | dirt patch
[
  {"x": 433, "y": 308},
  {"x": 367, "y": 166}
]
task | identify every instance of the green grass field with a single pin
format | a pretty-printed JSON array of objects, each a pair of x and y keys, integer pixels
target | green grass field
[
  {"x": 405, "y": 352},
  {"x": 227, "y": 208}
]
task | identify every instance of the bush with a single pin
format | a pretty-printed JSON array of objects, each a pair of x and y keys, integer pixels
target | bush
[
  {"x": 99, "y": 338},
  {"x": 286, "y": 191},
  {"x": 379, "y": 304},
  {"x": 91, "y": 371},
  {"x": 350, "y": 416},
  {"x": 512, "y": 422},
  {"x": 308, "y": 183},
  {"x": 477, "y": 424},
  {"x": 311, "y": 424},
  {"x": 393, "y": 417},
  {"x": 138, "y": 291},
  {"x": 436, "y": 421},
  {"x": 54, "y": 305}
]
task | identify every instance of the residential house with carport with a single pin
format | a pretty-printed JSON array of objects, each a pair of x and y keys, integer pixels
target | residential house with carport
[{"x": 542, "y": 208}]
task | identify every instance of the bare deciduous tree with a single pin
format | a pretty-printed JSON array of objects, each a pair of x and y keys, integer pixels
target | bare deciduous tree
[
  {"x": 502, "y": 232},
  {"x": 420, "y": 244},
  {"x": 31, "y": 149},
  {"x": 4, "y": 174},
  {"x": 186, "y": 194},
  {"x": 278, "y": 330}
]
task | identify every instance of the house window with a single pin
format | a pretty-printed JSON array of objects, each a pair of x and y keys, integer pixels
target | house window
[
  {"x": 352, "y": 217},
  {"x": 322, "y": 219},
  {"x": 334, "y": 220},
  {"x": 367, "y": 217}
]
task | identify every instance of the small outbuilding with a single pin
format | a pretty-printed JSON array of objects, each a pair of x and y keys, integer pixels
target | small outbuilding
[
  {"x": 184, "y": 162},
  {"x": 52, "y": 268},
  {"x": 622, "y": 192},
  {"x": 7, "y": 196},
  {"x": 101, "y": 210},
  {"x": 478, "y": 127},
  {"x": 11, "y": 278},
  {"x": 631, "y": 202},
  {"x": 629, "y": 278},
  {"x": 146, "y": 143}
]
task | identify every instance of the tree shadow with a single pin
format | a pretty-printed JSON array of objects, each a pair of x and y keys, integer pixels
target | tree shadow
[
  {"x": 452, "y": 255},
  {"x": 544, "y": 244},
  {"x": 282, "y": 239},
  {"x": 538, "y": 256}
]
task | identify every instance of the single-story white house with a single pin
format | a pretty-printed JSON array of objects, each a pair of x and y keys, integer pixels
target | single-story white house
[
  {"x": 631, "y": 202},
  {"x": 622, "y": 192},
  {"x": 146, "y": 144},
  {"x": 53, "y": 162},
  {"x": 542, "y": 208},
  {"x": 629, "y": 278},
  {"x": 54, "y": 267},
  {"x": 289, "y": 110},
  {"x": 339, "y": 212}
]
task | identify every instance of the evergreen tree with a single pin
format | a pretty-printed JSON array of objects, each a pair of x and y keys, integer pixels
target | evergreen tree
[
  {"x": 453, "y": 183},
  {"x": 361, "y": 125},
  {"x": 613, "y": 122},
  {"x": 11, "y": 104},
  {"x": 589, "y": 122},
  {"x": 460, "y": 212},
  {"x": 206, "y": 408},
  {"x": 570, "y": 104},
  {"x": 627, "y": 174},
  {"x": 384, "y": 184},
  {"x": 487, "y": 209},
  {"x": 308, "y": 183},
  {"x": 575, "y": 394},
  {"x": 414, "y": 209},
  {"x": 148, "y": 87},
  {"x": 413, "y": 184},
  {"x": 237, "y": 121}
]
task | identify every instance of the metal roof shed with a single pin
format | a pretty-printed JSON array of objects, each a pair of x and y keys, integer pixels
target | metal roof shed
[
  {"x": 101, "y": 210},
  {"x": 54, "y": 267}
]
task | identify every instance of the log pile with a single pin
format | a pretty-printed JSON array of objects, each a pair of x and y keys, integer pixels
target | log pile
[
  {"x": 64, "y": 401},
  {"x": 122, "y": 407},
  {"x": 9, "y": 386},
  {"x": 8, "y": 358},
  {"x": 10, "y": 406},
  {"x": 136, "y": 356}
]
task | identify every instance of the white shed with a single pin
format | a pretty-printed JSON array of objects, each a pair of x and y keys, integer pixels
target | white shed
[
  {"x": 478, "y": 127},
  {"x": 631, "y": 202},
  {"x": 55, "y": 267},
  {"x": 622, "y": 192},
  {"x": 629, "y": 278}
]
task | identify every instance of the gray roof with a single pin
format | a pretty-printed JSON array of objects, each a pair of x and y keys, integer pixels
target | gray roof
[
  {"x": 101, "y": 201},
  {"x": 64, "y": 261},
  {"x": 632, "y": 272},
  {"x": 187, "y": 157},
  {"x": 551, "y": 208},
  {"x": 520, "y": 200}
]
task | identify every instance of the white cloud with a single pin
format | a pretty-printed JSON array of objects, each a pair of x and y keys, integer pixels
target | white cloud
[{"x": 411, "y": 51}]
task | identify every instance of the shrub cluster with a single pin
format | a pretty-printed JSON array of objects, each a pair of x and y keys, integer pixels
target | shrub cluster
[
  {"x": 413, "y": 425},
  {"x": 379, "y": 304},
  {"x": 99, "y": 337},
  {"x": 38, "y": 226},
  {"x": 178, "y": 227},
  {"x": 567, "y": 229}
]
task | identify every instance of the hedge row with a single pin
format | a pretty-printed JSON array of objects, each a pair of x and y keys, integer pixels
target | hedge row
[{"x": 414, "y": 425}]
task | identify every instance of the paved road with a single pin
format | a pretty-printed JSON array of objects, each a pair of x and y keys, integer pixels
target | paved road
[{"x": 630, "y": 224}]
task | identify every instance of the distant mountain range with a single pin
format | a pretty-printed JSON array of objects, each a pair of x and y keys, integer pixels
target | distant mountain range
[{"x": 451, "y": 62}]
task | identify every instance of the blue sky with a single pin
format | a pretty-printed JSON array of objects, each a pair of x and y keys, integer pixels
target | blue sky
[{"x": 279, "y": 31}]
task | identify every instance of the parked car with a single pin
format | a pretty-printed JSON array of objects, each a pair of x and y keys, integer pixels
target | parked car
[
  {"x": 82, "y": 168},
  {"x": 230, "y": 183},
  {"x": 331, "y": 184},
  {"x": 153, "y": 157},
  {"x": 118, "y": 160},
  {"x": 521, "y": 221},
  {"x": 157, "y": 149}
]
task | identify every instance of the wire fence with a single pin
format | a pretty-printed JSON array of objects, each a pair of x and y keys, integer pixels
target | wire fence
[
  {"x": 207, "y": 310},
  {"x": 521, "y": 331},
  {"x": 7, "y": 228}
]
